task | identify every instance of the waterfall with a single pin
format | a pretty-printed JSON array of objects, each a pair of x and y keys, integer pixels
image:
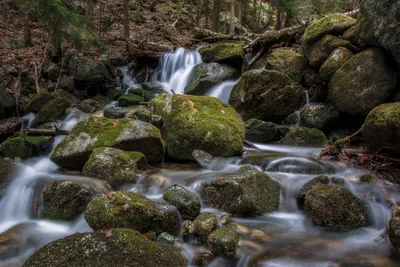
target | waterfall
[
  {"x": 222, "y": 91},
  {"x": 128, "y": 82}
]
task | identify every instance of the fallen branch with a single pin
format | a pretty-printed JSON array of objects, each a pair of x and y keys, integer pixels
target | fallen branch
[
  {"x": 45, "y": 132},
  {"x": 257, "y": 56}
]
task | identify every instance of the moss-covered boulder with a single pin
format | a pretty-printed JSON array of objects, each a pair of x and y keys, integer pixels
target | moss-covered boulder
[
  {"x": 131, "y": 210},
  {"x": 26, "y": 146},
  {"x": 364, "y": 82},
  {"x": 187, "y": 202},
  {"x": 116, "y": 166},
  {"x": 381, "y": 128},
  {"x": 115, "y": 113},
  {"x": 318, "y": 52},
  {"x": 394, "y": 227},
  {"x": 287, "y": 60},
  {"x": 223, "y": 242},
  {"x": 318, "y": 115},
  {"x": 38, "y": 102},
  {"x": 94, "y": 132},
  {"x": 335, "y": 207},
  {"x": 246, "y": 193},
  {"x": 266, "y": 95},
  {"x": 205, "y": 223},
  {"x": 89, "y": 106},
  {"x": 65, "y": 200},
  {"x": 86, "y": 71},
  {"x": 118, "y": 247},
  {"x": 331, "y": 24},
  {"x": 303, "y": 136},
  {"x": 261, "y": 131},
  {"x": 202, "y": 158},
  {"x": 147, "y": 95},
  {"x": 335, "y": 61},
  {"x": 129, "y": 100},
  {"x": 63, "y": 93},
  {"x": 52, "y": 111},
  {"x": 225, "y": 53},
  {"x": 199, "y": 122},
  {"x": 142, "y": 113},
  {"x": 204, "y": 76},
  {"x": 301, "y": 195}
]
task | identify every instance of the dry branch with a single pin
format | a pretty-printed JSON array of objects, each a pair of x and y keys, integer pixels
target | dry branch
[{"x": 45, "y": 132}]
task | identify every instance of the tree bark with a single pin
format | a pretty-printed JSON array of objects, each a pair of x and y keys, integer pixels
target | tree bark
[
  {"x": 126, "y": 19},
  {"x": 205, "y": 11},
  {"x": 232, "y": 17},
  {"x": 198, "y": 12},
  {"x": 45, "y": 132},
  {"x": 215, "y": 15},
  {"x": 27, "y": 31},
  {"x": 278, "y": 24}
]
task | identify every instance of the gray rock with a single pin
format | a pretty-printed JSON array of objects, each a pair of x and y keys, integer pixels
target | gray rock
[
  {"x": 223, "y": 242},
  {"x": 89, "y": 106},
  {"x": 260, "y": 131},
  {"x": 187, "y": 202},
  {"x": 115, "y": 113}
]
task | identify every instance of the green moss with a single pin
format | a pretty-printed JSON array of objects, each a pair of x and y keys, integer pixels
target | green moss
[
  {"x": 288, "y": 61},
  {"x": 129, "y": 100},
  {"x": 185, "y": 200},
  {"x": 145, "y": 94},
  {"x": 17, "y": 147},
  {"x": 223, "y": 242},
  {"x": 335, "y": 61},
  {"x": 367, "y": 178},
  {"x": 52, "y": 111},
  {"x": 228, "y": 53},
  {"x": 37, "y": 102},
  {"x": 205, "y": 223},
  {"x": 303, "y": 136}
]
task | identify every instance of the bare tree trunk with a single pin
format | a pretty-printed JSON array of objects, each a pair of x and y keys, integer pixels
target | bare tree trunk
[
  {"x": 215, "y": 15},
  {"x": 278, "y": 24},
  {"x": 239, "y": 10},
  {"x": 232, "y": 17},
  {"x": 27, "y": 31},
  {"x": 126, "y": 19},
  {"x": 198, "y": 12},
  {"x": 205, "y": 11}
]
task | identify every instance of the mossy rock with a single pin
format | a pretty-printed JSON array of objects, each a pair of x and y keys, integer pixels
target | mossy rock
[
  {"x": 318, "y": 52},
  {"x": 145, "y": 94},
  {"x": 67, "y": 84},
  {"x": 364, "y": 82},
  {"x": 335, "y": 23},
  {"x": 116, "y": 166},
  {"x": 26, "y": 146},
  {"x": 86, "y": 71},
  {"x": 187, "y": 202},
  {"x": 394, "y": 230},
  {"x": 131, "y": 210},
  {"x": 246, "y": 193},
  {"x": 301, "y": 195},
  {"x": 288, "y": 61},
  {"x": 204, "y": 76},
  {"x": 52, "y": 111},
  {"x": 223, "y": 242},
  {"x": 129, "y": 100},
  {"x": 368, "y": 178},
  {"x": 205, "y": 223},
  {"x": 260, "y": 131},
  {"x": 38, "y": 102},
  {"x": 303, "y": 136},
  {"x": 225, "y": 53},
  {"x": 115, "y": 113},
  {"x": 65, "y": 200},
  {"x": 319, "y": 116},
  {"x": 7, "y": 171},
  {"x": 118, "y": 247},
  {"x": 63, "y": 93},
  {"x": 335, "y": 207},
  {"x": 166, "y": 239},
  {"x": 199, "y": 122},
  {"x": 89, "y": 106},
  {"x": 335, "y": 61},
  {"x": 266, "y": 95},
  {"x": 95, "y": 132},
  {"x": 142, "y": 113},
  {"x": 381, "y": 128}
]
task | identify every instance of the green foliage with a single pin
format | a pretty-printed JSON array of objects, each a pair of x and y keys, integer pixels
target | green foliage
[
  {"x": 288, "y": 6},
  {"x": 62, "y": 21}
]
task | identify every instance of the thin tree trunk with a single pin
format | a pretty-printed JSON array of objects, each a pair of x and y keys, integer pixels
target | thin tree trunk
[
  {"x": 232, "y": 17},
  {"x": 239, "y": 10},
  {"x": 205, "y": 11},
  {"x": 126, "y": 19},
  {"x": 278, "y": 20},
  {"x": 215, "y": 15},
  {"x": 27, "y": 32},
  {"x": 89, "y": 7}
]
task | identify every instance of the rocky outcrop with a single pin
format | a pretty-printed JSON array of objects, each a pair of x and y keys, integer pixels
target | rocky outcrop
[{"x": 224, "y": 53}]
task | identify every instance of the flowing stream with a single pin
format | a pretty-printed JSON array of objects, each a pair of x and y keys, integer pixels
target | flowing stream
[{"x": 283, "y": 238}]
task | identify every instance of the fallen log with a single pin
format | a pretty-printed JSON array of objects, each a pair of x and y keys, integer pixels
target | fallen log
[{"x": 45, "y": 132}]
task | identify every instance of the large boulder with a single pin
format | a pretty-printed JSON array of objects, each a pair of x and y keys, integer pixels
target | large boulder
[
  {"x": 204, "y": 76},
  {"x": 318, "y": 115},
  {"x": 121, "y": 247},
  {"x": 131, "y": 210},
  {"x": 261, "y": 131},
  {"x": 381, "y": 128},
  {"x": 185, "y": 200},
  {"x": 303, "y": 136},
  {"x": 26, "y": 146},
  {"x": 94, "y": 132},
  {"x": 129, "y": 100},
  {"x": 199, "y": 122},
  {"x": 331, "y": 24},
  {"x": 335, "y": 207},
  {"x": 52, "y": 111},
  {"x": 116, "y": 166},
  {"x": 86, "y": 71},
  {"x": 246, "y": 193},
  {"x": 335, "y": 61},
  {"x": 364, "y": 82},
  {"x": 288, "y": 61},
  {"x": 38, "y": 102},
  {"x": 267, "y": 95},
  {"x": 301, "y": 195},
  {"x": 225, "y": 53}
]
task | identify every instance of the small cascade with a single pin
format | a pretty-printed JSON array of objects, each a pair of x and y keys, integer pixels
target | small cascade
[
  {"x": 175, "y": 68},
  {"x": 128, "y": 82},
  {"x": 222, "y": 91},
  {"x": 307, "y": 98}
]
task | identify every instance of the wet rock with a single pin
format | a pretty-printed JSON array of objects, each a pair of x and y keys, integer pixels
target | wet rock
[
  {"x": 151, "y": 86},
  {"x": 156, "y": 180},
  {"x": 287, "y": 60},
  {"x": 266, "y": 95},
  {"x": 205, "y": 223},
  {"x": 7, "y": 172},
  {"x": 364, "y": 82},
  {"x": 166, "y": 239},
  {"x": 63, "y": 93},
  {"x": 52, "y": 111},
  {"x": 335, "y": 207},
  {"x": 67, "y": 84},
  {"x": 94, "y": 132},
  {"x": 86, "y": 71},
  {"x": 225, "y": 53},
  {"x": 7, "y": 105},
  {"x": 187, "y": 202},
  {"x": 145, "y": 94},
  {"x": 318, "y": 115},
  {"x": 332, "y": 24},
  {"x": 335, "y": 61},
  {"x": 301, "y": 195},
  {"x": 65, "y": 200},
  {"x": 26, "y": 146},
  {"x": 142, "y": 113},
  {"x": 381, "y": 127},
  {"x": 199, "y": 122},
  {"x": 367, "y": 178},
  {"x": 224, "y": 220},
  {"x": 126, "y": 247},
  {"x": 223, "y": 242},
  {"x": 204, "y": 76},
  {"x": 246, "y": 193},
  {"x": 260, "y": 131},
  {"x": 129, "y": 100},
  {"x": 116, "y": 166},
  {"x": 187, "y": 231},
  {"x": 394, "y": 227},
  {"x": 114, "y": 94},
  {"x": 303, "y": 136},
  {"x": 89, "y": 106},
  {"x": 203, "y": 258},
  {"x": 130, "y": 210},
  {"x": 38, "y": 102},
  {"x": 202, "y": 158},
  {"x": 115, "y": 113}
]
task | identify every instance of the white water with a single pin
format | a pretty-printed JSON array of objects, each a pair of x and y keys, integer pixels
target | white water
[
  {"x": 128, "y": 81},
  {"x": 222, "y": 91}
]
